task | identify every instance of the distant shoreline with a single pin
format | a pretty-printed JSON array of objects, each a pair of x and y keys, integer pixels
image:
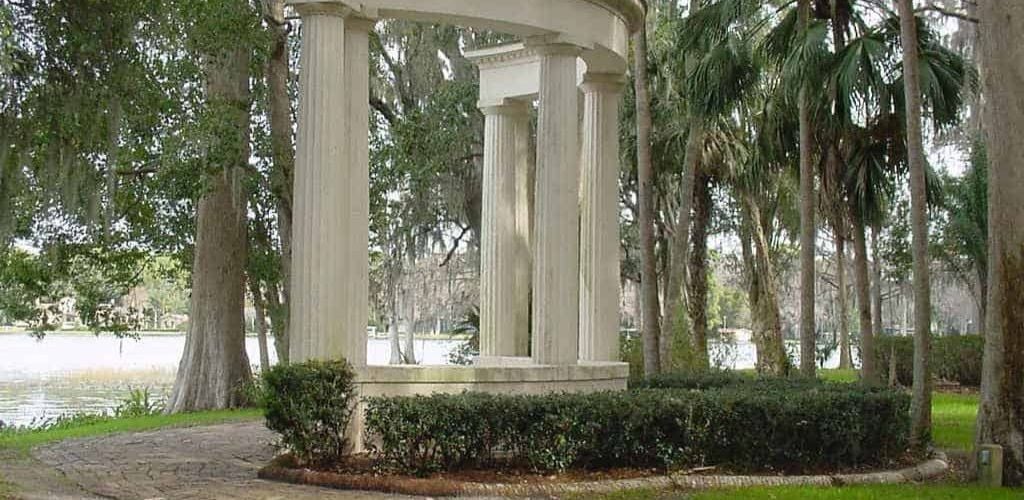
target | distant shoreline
[{"x": 178, "y": 333}]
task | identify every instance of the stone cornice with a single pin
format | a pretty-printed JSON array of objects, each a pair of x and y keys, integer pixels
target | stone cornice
[
  {"x": 631, "y": 11},
  {"x": 503, "y": 55}
]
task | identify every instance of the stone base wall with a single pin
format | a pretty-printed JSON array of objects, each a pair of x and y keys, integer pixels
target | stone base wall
[{"x": 497, "y": 375}]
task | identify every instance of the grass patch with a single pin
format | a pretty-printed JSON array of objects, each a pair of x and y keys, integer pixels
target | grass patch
[
  {"x": 866, "y": 492},
  {"x": 838, "y": 375},
  {"x": 953, "y": 419},
  {"x": 20, "y": 441},
  {"x": 896, "y": 491}
]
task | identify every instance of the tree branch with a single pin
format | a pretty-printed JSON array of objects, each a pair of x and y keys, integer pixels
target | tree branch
[
  {"x": 946, "y": 12},
  {"x": 458, "y": 241},
  {"x": 384, "y": 109}
]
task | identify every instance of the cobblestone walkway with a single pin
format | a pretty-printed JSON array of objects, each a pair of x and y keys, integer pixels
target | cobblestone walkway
[{"x": 213, "y": 462}]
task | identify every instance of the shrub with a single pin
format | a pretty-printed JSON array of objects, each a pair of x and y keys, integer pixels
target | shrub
[
  {"x": 954, "y": 358},
  {"x": 751, "y": 427},
  {"x": 138, "y": 403},
  {"x": 310, "y": 405},
  {"x": 959, "y": 358}
]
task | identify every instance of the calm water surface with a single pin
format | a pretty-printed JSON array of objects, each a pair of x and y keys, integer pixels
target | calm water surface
[{"x": 69, "y": 373}]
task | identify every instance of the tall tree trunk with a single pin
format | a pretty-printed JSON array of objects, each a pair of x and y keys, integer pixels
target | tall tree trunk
[
  {"x": 1001, "y": 414},
  {"x": 261, "y": 323},
  {"x": 676, "y": 314},
  {"x": 409, "y": 353},
  {"x": 767, "y": 320},
  {"x": 845, "y": 361},
  {"x": 114, "y": 120},
  {"x": 807, "y": 226},
  {"x": 876, "y": 282},
  {"x": 214, "y": 365},
  {"x": 860, "y": 276},
  {"x": 982, "y": 299},
  {"x": 921, "y": 402},
  {"x": 280, "y": 118},
  {"x": 702, "y": 207},
  {"x": 277, "y": 321},
  {"x": 645, "y": 178},
  {"x": 394, "y": 340}
]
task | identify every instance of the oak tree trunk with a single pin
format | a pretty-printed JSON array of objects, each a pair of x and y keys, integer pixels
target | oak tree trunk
[
  {"x": 214, "y": 365},
  {"x": 921, "y": 393},
  {"x": 261, "y": 323},
  {"x": 645, "y": 178},
  {"x": 280, "y": 120},
  {"x": 1001, "y": 413}
]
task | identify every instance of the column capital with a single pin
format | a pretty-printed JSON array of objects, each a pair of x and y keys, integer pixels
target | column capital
[
  {"x": 548, "y": 46},
  {"x": 355, "y": 19},
  {"x": 335, "y": 9},
  {"x": 509, "y": 107},
  {"x": 612, "y": 83}
]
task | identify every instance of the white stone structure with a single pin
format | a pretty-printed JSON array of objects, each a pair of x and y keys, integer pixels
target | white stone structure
[{"x": 563, "y": 258}]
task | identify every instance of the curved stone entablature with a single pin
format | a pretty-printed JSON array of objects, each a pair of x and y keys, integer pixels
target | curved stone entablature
[{"x": 602, "y": 27}]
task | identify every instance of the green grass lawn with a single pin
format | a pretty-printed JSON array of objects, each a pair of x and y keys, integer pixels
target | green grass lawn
[
  {"x": 871, "y": 492},
  {"x": 21, "y": 441},
  {"x": 953, "y": 417}
]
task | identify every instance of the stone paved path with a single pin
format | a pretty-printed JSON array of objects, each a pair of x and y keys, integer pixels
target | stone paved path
[{"x": 212, "y": 462}]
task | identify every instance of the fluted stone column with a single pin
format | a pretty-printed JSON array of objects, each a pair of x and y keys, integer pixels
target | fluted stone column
[
  {"x": 499, "y": 316},
  {"x": 599, "y": 231},
  {"x": 357, "y": 256},
  {"x": 556, "y": 257},
  {"x": 330, "y": 235},
  {"x": 523, "y": 250}
]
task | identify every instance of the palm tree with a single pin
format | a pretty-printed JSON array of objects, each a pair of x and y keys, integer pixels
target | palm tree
[
  {"x": 706, "y": 68},
  {"x": 808, "y": 231},
  {"x": 921, "y": 402},
  {"x": 645, "y": 169}
]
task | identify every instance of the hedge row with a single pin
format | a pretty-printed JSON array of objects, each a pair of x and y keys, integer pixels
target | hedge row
[
  {"x": 716, "y": 379},
  {"x": 955, "y": 358},
  {"x": 745, "y": 428}
]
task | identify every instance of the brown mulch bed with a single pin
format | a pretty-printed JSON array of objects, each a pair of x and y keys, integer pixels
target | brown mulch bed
[{"x": 363, "y": 472}]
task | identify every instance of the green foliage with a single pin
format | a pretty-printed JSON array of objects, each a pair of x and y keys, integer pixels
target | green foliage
[
  {"x": 139, "y": 403},
  {"x": 963, "y": 242},
  {"x": 747, "y": 427},
  {"x": 954, "y": 358},
  {"x": 465, "y": 352},
  {"x": 310, "y": 405}
]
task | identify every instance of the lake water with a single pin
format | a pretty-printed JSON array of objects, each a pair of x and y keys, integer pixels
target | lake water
[{"x": 68, "y": 373}]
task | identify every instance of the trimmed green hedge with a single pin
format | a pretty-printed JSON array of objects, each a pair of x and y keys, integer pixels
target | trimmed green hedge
[
  {"x": 310, "y": 404},
  {"x": 755, "y": 427},
  {"x": 715, "y": 379},
  {"x": 954, "y": 358}
]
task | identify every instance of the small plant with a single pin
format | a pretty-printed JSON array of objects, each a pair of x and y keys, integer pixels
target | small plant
[
  {"x": 310, "y": 405},
  {"x": 138, "y": 403},
  {"x": 465, "y": 352}
]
